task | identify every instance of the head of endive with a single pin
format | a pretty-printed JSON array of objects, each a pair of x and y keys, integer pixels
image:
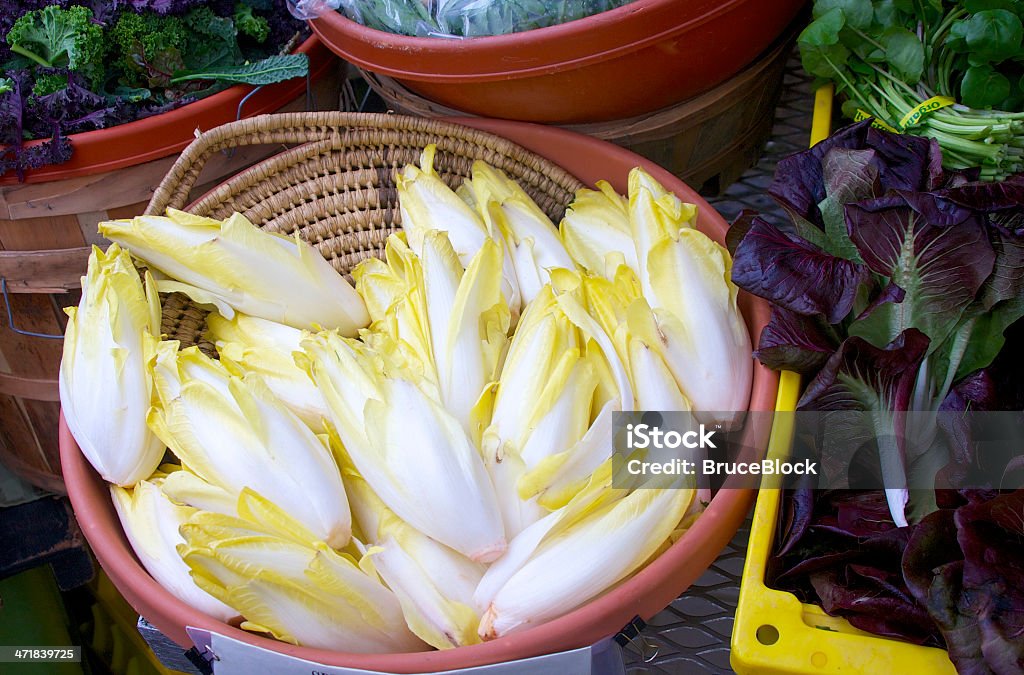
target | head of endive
[
  {"x": 706, "y": 343},
  {"x": 151, "y": 521},
  {"x": 413, "y": 452},
  {"x": 248, "y": 344},
  {"x": 467, "y": 321},
  {"x": 234, "y": 265},
  {"x": 105, "y": 383},
  {"x": 531, "y": 237},
  {"x": 427, "y": 203},
  {"x": 434, "y": 583},
  {"x": 234, "y": 433},
  {"x": 580, "y": 557},
  {"x": 308, "y": 594},
  {"x": 595, "y": 231}
]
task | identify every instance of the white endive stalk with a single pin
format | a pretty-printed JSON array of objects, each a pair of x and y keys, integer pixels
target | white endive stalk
[
  {"x": 468, "y": 322},
  {"x": 105, "y": 384},
  {"x": 426, "y": 203},
  {"x": 575, "y": 563},
  {"x": 532, "y": 238},
  {"x": 433, "y": 583},
  {"x": 596, "y": 492},
  {"x": 247, "y": 344},
  {"x": 542, "y": 359},
  {"x": 595, "y": 231},
  {"x": 556, "y": 479},
  {"x": 413, "y": 453},
  {"x": 235, "y": 434},
  {"x": 236, "y": 266},
  {"x": 656, "y": 386},
  {"x": 151, "y": 521},
  {"x": 685, "y": 277},
  {"x": 307, "y": 595}
]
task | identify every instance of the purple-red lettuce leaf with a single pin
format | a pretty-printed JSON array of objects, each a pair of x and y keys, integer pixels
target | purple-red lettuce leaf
[
  {"x": 991, "y": 535},
  {"x": 862, "y": 377},
  {"x": 850, "y": 175},
  {"x": 980, "y": 336},
  {"x": 796, "y": 342},
  {"x": 799, "y": 509},
  {"x": 795, "y": 274},
  {"x": 939, "y": 268},
  {"x": 903, "y": 162}
]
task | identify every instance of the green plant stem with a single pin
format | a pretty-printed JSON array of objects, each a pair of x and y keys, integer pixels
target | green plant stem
[{"x": 18, "y": 49}]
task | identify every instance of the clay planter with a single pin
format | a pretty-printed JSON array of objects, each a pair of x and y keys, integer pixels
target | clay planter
[
  {"x": 644, "y": 594},
  {"x": 625, "y": 62}
]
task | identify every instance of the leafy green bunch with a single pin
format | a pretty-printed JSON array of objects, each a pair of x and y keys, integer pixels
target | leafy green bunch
[{"x": 887, "y": 57}]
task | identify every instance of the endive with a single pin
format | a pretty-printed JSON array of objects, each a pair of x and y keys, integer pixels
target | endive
[
  {"x": 235, "y": 434},
  {"x": 151, "y": 521},
  {"x": 426, "y": 203},
  {"x": 433, "y": 583},
  {"x": 236, "y": 266},
  {"x": 532, "y": 238},
  {"x": 579, "y": 558},
  {"x": 685, "y": 276},
  {"x": 543, "y": 356},
  {"x": 248, "y": 344},
  {"x": 105, "y": 384},
  {"x": 467, "y": 320},
  {"x": 413, "y": 453},
  {"x": 308, "y": 595},
  {"x": 595, "y": 231}
]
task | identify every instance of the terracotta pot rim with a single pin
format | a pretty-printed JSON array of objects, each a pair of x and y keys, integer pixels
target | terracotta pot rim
[{"x": 522, "y": 54}]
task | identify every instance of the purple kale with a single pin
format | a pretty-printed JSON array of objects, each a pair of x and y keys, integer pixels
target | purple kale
[{"x": 15, "y": 156}]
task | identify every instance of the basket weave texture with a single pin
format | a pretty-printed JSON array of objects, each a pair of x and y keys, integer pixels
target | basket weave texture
[{"x": 334, "y": 184}]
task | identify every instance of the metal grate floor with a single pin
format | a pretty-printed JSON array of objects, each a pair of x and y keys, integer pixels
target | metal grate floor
[{"x": 692, "y": 635}]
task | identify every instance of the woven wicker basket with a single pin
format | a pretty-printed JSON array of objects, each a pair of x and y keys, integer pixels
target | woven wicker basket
[{"x": 335, "y": 184}]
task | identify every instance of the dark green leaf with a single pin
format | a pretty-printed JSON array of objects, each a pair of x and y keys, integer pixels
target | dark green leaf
[
  {"x": 820, "y": 50},
  {"x": 269, "y": 70},
  {"x": 824, "y": 30},
  {"x": 974, "y": 6},
  {"x": 904, "y": 53},
  {"x": 983, "y": 87},
  {"x": 886, "y": 14},
  {"x": 994, "y": 35},
  {"x": 858, "y": 13},
  {"x": 956, "y": 40}
]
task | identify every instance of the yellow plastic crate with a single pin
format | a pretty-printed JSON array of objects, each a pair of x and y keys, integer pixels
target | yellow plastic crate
[
  {"x": 774, "y": 633},
  {"x": 115, "y": 636}
]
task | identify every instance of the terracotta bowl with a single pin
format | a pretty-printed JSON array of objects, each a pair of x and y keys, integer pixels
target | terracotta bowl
[
  {"x": 643, "y": 56},
  {"x": 644, "y": 595}
]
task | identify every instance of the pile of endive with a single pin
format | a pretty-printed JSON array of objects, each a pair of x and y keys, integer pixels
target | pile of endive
[{"x": 422, "y": 460}]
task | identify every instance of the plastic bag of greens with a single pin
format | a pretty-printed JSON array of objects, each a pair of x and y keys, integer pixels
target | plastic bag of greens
[
  {"x": 463, "y": 18},
  {"x": 405, "y": 17},
  {"x": 474, "y": 18}
]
